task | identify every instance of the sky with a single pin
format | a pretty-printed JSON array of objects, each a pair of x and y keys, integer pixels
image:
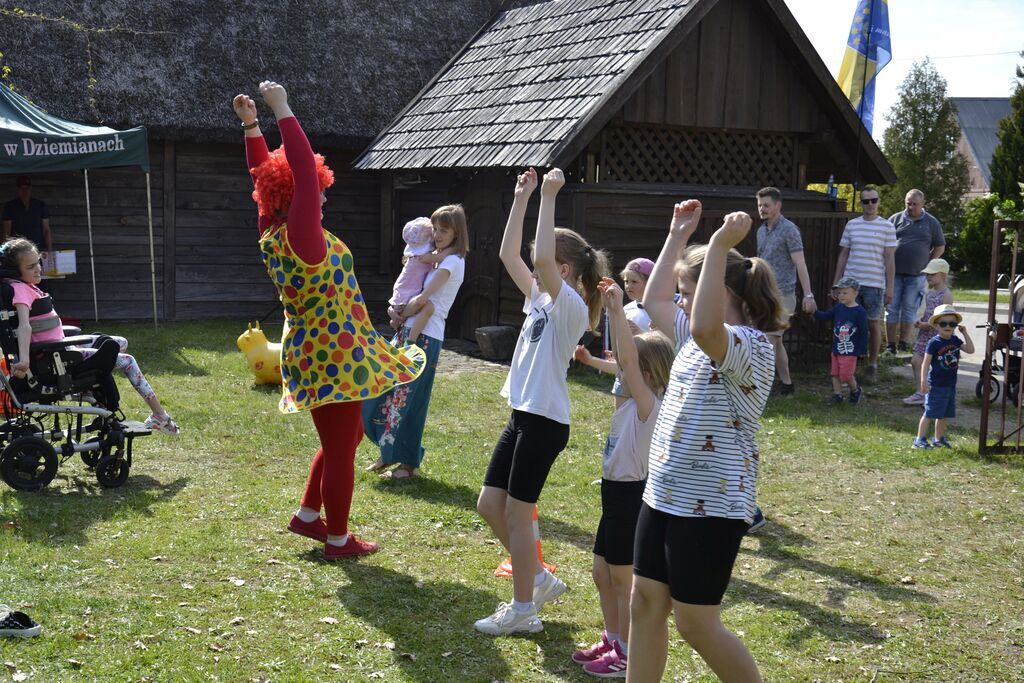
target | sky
[{"x": 944, "y": 30}]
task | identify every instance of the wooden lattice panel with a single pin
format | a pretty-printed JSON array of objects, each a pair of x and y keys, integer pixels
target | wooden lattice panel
[{"x": 648, "y": 154}]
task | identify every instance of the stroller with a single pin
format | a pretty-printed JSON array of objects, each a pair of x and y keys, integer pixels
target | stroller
[
  {"x": 67, "y": 404},
  {"x": 1008, "y": 367}
]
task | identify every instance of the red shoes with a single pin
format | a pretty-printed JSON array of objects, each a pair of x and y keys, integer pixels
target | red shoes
[
  {"x": 353, "y": 548},
  {"x": 316, "y": 529}
]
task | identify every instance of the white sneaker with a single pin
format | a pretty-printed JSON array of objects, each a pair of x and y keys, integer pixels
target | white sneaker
[
  {"x": 551, "y": 588},
  {"x": 507, "y": 620},
  {"x": 164, "y": 424}
]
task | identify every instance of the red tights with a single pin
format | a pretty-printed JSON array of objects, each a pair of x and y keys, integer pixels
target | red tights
[{"x": 332, "y": 475}]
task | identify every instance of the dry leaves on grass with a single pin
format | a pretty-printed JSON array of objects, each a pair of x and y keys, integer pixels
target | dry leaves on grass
[{"x": 330, "y": 620}]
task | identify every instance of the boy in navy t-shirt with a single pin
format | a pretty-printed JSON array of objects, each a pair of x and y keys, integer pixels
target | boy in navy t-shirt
[
  {"x": 849, "y": 338},
  {"x": 938, "y": 375}
]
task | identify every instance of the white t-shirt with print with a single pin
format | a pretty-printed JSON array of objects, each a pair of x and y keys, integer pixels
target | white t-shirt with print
[
  {"x": 536, "y": 381},
  {"x": 628, "y": 443},
  {"x": 444, "y": 297},
  {"x": 704, "y": 457}
]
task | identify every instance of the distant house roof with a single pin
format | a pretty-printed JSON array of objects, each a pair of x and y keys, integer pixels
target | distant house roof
[
  {"x": 173, "y": 66},
  {"x": 540, "y": 76},
  {"x": 979, "y": 121}
]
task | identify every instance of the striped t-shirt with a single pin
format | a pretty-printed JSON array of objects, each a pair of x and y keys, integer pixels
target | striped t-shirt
[
  {"x": 867, "y": 242},
  {"x": 704, "y": 457}
]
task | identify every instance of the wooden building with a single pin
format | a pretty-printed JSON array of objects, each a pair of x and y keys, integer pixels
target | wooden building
[
  {"x": 642, "y": 102},
  {"x": 173, "y": 67}
]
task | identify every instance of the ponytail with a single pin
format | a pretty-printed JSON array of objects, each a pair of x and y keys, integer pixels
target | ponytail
[
  {"x": 750, "y": 279},
  {"x": 588, "y": 265}
]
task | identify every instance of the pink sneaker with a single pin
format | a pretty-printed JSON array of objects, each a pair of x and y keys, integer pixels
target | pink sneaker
[
  {"x": 915, "y": 399},
  {"x": 353, "y": 548},
  {"x": 612, "y": 664},
  {"x": 594, "y": 652},
  {"x": 316, "y": 529}
]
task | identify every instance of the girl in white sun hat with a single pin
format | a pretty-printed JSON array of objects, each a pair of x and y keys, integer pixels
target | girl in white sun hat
[{"x": 937, "y": 272}]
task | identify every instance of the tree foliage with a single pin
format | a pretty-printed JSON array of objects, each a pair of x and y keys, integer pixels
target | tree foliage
[
  {"x": 1007, "y": 166},
  {"x": 921, "y": 144}
]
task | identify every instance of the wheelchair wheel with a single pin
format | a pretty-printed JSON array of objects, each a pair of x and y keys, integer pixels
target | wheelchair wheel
[
  {"x": 92, "y": 458},
  {"x": 979, "y": 389},
  {"x": 112, "y": 470},
  {"x": 28, "y": 463}
]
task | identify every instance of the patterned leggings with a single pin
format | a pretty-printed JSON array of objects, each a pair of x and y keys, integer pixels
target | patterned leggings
[{"x": 127, "y": 364}]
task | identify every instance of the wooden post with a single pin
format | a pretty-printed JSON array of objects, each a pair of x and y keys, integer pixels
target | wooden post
[{"x": 169, "y": 242}]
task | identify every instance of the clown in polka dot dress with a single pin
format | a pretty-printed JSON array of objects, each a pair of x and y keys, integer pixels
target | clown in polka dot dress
[{"x": 330, "y": 352}]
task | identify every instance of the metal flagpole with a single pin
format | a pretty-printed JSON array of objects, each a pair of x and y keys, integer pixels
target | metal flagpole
[
  {"x": 92, "y": 260},
  {"x": 860, "y": 106}
]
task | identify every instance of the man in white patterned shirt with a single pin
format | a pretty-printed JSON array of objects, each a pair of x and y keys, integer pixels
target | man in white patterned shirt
[{"x": 867, "y": 253}]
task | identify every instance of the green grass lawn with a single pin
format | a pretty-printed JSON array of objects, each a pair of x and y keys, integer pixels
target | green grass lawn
[{"x": 879, "y": 563}]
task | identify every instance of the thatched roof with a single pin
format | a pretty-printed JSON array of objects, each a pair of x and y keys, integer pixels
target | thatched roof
[{"x": 173, "y": 65}]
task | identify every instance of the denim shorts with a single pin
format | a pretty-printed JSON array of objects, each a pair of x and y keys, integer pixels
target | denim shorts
[
  {"x": 871, "y": 299},
  {"x": 907, "y": 295},
  {"x": 940, "y": 403}
]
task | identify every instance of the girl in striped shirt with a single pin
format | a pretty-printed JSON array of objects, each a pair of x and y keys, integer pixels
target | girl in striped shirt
[{"x": 700, "y": 493}]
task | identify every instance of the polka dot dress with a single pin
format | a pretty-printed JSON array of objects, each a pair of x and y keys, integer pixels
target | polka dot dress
[{"x": 330, "y": 352}]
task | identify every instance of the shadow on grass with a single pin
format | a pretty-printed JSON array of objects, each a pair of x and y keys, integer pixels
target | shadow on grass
[
  {"x": 437, "y": 491},
  {"x": 428, "y": 618},
  {"x": 777, "y": 543},
  {"x": 61, "y": 514}
]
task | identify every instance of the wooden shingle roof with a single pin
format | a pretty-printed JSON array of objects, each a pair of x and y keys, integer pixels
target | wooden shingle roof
[{"x": 523, "y": 89}]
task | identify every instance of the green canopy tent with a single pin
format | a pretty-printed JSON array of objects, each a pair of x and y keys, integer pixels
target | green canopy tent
[{"x": 32, "y": 141}]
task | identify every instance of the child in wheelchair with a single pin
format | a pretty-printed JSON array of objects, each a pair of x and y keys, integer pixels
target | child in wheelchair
[
  {"x": 52, "y": 377},
  {"x": 45, "y": 325}
]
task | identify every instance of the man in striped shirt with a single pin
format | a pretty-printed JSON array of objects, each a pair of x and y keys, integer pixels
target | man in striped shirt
[{"x": 867, "y": 253}]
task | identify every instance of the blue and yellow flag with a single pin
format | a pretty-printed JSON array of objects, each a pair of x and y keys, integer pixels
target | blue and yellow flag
[{"x": 868, "y": 49}]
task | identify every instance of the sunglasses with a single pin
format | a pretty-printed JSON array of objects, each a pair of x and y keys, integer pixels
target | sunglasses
[
  {"x": 946, "y": 323},
  {"x": 873, "y": 200}
]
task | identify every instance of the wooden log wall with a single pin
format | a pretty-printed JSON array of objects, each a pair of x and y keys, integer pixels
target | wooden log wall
[
  {"x": 120, "y": 237},
  {"x": 204, "y": 223},
  {"x": 733, "y": 72}
]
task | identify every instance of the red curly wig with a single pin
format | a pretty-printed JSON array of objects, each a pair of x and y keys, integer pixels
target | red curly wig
[{"x": 275, "y": 186}]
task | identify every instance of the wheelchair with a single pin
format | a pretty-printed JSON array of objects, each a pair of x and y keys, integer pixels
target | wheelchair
[{"x": 67, "y": 404}]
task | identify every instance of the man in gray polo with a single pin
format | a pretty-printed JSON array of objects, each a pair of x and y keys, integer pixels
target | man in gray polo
[
  {"x": 919, "y": 239},
  {"x": 779, "y": 243}
]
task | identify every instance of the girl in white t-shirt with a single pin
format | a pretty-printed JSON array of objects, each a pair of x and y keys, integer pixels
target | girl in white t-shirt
[
  {"x": 700, "y": 494},
  {"x": 644, "y": 361},
  {"x": 395, "y": 421},
  {"x": 634, "y": 282},
  {"x": 562, "y": 300}
]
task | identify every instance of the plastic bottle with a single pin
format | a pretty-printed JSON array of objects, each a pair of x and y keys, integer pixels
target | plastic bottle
[{"x": 831, "y": 189}]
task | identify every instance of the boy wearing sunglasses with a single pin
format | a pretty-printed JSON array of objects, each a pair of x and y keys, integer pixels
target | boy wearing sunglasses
[{"x": 938, "y": 375}]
